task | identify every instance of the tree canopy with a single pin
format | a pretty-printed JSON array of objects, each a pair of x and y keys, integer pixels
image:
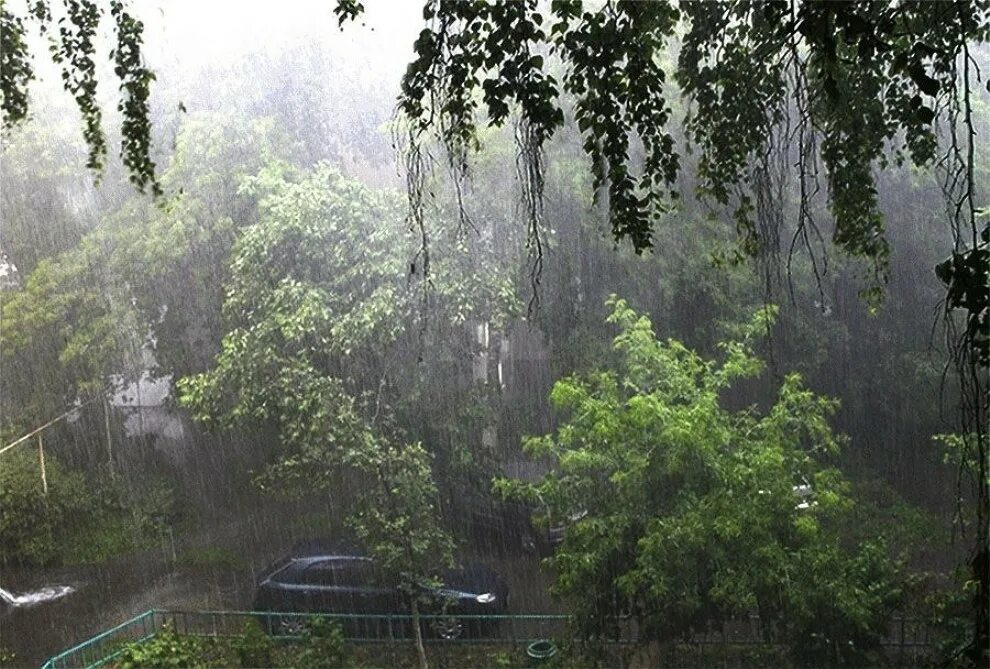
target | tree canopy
[
  {"x": 682, "y": 514},
  {"x": 847, "y": 85},
  {"x": 838, "y": 89},
  {"x": 316, "y": 295},
  {"x": 852, "y": 84}
]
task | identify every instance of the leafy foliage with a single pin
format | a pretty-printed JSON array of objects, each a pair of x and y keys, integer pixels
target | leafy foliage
[
  {"x": 166, "y": 650},
  {"x": 396, "y": 518},
  {"x": 682, "y": 514},
  {"x": 15, "y": 67},
  {"x": 253, "y": 647},
  {"x": 81, "y": 520},
  {"x": 322, "y": 319},
  {"x": 313, "y": 286},
  {"x": 862, "y": 74},
  {"x": 964, "y": 274},
  {"x": 66, "y": 297},
  {"x": 951, "y": 629},
  {"x": 73, "y": 48},
  {"x": 322, "y": 645},
  {"x": 145, "y": 277},
  {"x": 29, "y": 519},
  {"x": 316, "y": 295}
]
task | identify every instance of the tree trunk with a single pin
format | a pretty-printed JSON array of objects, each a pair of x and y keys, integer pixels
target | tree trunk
[{"x": 418, "y": 632}]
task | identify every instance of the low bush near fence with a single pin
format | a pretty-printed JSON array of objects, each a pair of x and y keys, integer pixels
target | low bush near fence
[
  {"x": 321, "y": 646},
  {"x": 165, "y": 649}
]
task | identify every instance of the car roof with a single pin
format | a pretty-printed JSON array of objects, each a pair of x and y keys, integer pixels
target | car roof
[{"x": 327, "y": 547}]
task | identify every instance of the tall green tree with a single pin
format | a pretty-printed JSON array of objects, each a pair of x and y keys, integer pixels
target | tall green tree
[
  {"x": 137, "y": 277},
  {"x": 683, "y": 514},
  {"x": 316, "y": 301},
  {"x": 851, "y": 86}
]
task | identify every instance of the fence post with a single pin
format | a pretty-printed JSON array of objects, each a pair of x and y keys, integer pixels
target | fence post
[
  {"x": 41, "y": 460},
  {"x": 900, "y": 655}
]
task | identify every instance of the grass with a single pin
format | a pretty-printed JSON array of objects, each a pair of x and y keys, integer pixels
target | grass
[{"x": 98, "y": 542}]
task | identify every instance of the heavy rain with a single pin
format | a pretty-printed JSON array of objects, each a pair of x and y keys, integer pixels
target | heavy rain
[{"x": 503, "y": 334}]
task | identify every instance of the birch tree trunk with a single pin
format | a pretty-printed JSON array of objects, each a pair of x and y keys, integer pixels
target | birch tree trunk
[{"x": 418, "y": 632}]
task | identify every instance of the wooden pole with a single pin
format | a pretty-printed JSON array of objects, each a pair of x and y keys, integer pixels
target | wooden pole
[
  {"x": 46, "y": 425},
  {"x": 106, "y": 424},
  {"x": 41, "y": 460}
]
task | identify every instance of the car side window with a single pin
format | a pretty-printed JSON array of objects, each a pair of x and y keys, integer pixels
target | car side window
[
  {"x": 359, "y": 573},
  {"x": 324, "y": 572}
]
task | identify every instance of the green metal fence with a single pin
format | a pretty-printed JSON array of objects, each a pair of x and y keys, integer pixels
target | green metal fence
[
  {"x": 516, "y": 629},
  {"x": 907, "y": 642},
  {"x": 106, "y": 646}
]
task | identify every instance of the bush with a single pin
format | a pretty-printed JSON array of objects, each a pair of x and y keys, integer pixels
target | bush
[
  {"x": 153, "y": 508},
  {"x": 121, "y": 520},
  {"x": 166, "y": 650},
  {"x": 837, "y": 613},
  {"x": 950, "y": 617},
  {"x": 80, "y": 520},
  {"x": 322, "y": 646},
  {"x": 29, "y": 519},
  {"x": 253, "y": 647}
]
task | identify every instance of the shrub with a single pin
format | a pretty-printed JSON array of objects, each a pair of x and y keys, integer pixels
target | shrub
[
  {"x": 30, "y": 519},
  {"x": 80, "y": 520},
  {"x": 950, "y": 620},
  {"x": 253, "y": 647},
  {"x": 166, "y": 650},
  {"x": 154, "y": 507},
  {"x": 322, "y": 646}
]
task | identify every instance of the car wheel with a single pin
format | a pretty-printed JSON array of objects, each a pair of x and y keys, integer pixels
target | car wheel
[
  {"x": 447, "y": 627},
  {"x": 289, "y": 625}
]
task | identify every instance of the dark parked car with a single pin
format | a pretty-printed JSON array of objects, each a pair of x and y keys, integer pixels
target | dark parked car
[{"x": 323, "y": 576}]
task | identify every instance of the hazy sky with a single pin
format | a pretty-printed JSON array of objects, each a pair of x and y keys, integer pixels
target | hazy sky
[
  {"x": 186, "y": 36},
  {"x": 186, "y": 32}
]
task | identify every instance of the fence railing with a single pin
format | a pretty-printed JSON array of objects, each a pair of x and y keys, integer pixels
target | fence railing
[
  {"x": 906, "y": 644},
  {"x": 106, "y": 646},
  {"x": 515, "y": 629}
]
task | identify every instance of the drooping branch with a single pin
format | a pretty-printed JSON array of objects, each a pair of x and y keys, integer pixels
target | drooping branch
[{"x": 73, "y": 31}]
